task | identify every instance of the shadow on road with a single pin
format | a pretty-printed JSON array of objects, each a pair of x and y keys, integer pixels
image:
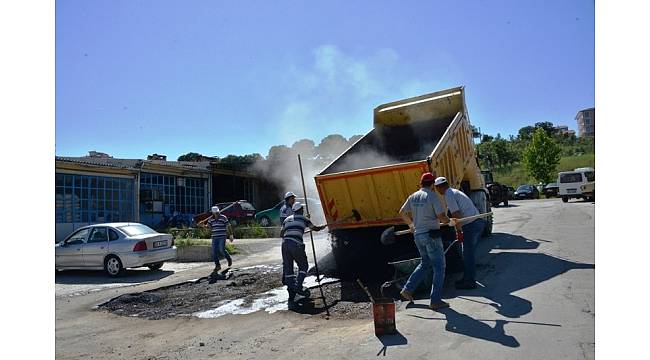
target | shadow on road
[
  {"x": 503, "y": 272},
  {"x": 391, "y": 340},
  {"x": 88, "y": 277}
]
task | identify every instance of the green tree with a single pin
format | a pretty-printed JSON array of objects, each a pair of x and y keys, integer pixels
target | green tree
[
  {"x": 354, "y": 139},
  {"x": 305, "y": 147},
  {"x": 486, "y": 138},
  {"x": 547, "y": 126},
  {"x": 191, "y": 156},
  {"x": 526, "y": 133},
  {"x": 541, "y": 156},
  {"x": 279, "y": 153},
  {"x": 332, "y": 146}
]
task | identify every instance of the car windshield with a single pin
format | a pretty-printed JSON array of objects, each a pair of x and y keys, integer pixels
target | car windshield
[
  {"x": 571, "y": 178},
  {"x": 137, "y": 229},
  {"x": 551, "y": 185},
  {"x": 246, "y": 206},
  {"x": 523, "y": 188}
]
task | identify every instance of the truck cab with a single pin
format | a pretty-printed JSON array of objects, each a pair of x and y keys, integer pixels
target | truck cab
[{"x": 570, "y": 183}]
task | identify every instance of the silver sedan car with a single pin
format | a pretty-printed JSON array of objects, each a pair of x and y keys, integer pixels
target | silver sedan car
[{"x": 114, "y": 247}]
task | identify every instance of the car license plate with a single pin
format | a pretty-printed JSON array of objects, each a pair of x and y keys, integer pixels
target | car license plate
[
  {"x": 249, "y": 215},
  {"x": 571, "y": 191},
  {"x": 158, "y": 244}
]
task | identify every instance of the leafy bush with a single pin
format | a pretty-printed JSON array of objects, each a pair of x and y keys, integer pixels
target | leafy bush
[
  {"x": 252, "y": 231},
  {"x": 232, "y": 249}
]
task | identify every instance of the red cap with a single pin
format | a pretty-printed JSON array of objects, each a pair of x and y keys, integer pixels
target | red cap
[{"x": 427, "y": 177}]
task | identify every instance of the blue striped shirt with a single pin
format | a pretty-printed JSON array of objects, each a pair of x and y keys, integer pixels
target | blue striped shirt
[
  {"x": 218, "y": 226},
  {"x": 294, "y": 227},
  {"x": 285, "y": 212}
]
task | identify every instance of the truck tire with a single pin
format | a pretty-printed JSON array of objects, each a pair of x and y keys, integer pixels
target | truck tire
[{"x": 565, "y": 198}]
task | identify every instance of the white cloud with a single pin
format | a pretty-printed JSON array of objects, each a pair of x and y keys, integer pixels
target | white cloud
[{"x": 337, "y": 92}]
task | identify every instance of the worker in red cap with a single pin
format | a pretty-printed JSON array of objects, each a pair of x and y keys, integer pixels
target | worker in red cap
[{"x": 423, "y": 213}]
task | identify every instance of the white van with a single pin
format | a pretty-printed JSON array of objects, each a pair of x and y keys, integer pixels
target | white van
[{"x": 569, "y": 182}]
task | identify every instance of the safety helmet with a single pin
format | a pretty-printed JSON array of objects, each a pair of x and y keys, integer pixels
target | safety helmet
[
  {"x": 215, "y": 209},
  {"x": 288, "y": 195},
  {"x": 297, "y": 206},
  {"x": 427, "y": 177}
]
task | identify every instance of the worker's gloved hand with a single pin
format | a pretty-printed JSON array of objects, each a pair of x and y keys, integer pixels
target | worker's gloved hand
[
  {"x": 412, "y": 227},
  {"x": 460, "y": 236}
]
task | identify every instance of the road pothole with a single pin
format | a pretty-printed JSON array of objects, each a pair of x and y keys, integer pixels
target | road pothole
[{"x": 246, "y": 291}]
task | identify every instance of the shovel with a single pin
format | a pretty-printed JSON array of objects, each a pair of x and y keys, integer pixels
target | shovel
[
  {"x": 388, "y": 236},
  {"x": 355, "y": 215}
]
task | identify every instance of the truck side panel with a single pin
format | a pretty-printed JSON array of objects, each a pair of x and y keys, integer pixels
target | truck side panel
[
  {"x": 454, "y": 156},
  {"x": 376, "y": 193}
]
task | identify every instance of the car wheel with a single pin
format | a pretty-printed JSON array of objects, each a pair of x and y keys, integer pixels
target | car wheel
[
  {"x": 113, "y": 266},
  {"x": 565, "y": 198},
  {"x": 156, "y": 266},
  {"x": 265, "y": 221}
]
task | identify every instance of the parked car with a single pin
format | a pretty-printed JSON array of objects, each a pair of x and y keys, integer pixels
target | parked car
[
  {"x": 589, "y": 191},
  {"x": 526, "y": 192},
  {"x": 114, "y": 247},
  {"x": 570, "y": 183},
  {"x": 550, "y": 190},
  {"x": 241, "y": 212},
  {"x": 271, "y": 216},
  {"x": 511, "y": 193}
]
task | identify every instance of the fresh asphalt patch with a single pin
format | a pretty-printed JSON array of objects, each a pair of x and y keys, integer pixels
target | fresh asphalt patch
[{"x": 246, "y": 290}]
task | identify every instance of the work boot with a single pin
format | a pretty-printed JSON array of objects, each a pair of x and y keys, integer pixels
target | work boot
[
  {"x": 304, "y": 292},
  {"x": 292, "y": 295},
  {"x": 438, "y": 305},
  {"x": 229, "y": 262},
  {"x": 465, "y": 285},
  {"x": 407, "y": 295}
]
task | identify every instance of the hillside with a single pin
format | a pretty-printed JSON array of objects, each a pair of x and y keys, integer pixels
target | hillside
[{"x": 516, "y": 175}]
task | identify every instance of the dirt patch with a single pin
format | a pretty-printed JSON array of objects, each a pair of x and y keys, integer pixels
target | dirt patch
[{"x": 245, "y": 291}]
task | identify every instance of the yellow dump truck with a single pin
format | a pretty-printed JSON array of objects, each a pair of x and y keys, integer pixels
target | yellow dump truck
[{"x": 376, "y": 174}]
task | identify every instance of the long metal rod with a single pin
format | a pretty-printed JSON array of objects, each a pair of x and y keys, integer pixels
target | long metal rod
[{"x": 311, "y": 235}]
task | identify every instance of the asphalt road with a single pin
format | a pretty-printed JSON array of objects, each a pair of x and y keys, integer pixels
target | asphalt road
[{"x": 536, "y": 302}]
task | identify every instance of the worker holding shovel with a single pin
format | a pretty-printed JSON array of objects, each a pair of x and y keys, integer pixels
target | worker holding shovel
[
  {"x": 461, "y": 206},
  {"x": 293, "y": 249},
  {"x": 423, "y": 213},
  {"x": 220, "y": 227}
]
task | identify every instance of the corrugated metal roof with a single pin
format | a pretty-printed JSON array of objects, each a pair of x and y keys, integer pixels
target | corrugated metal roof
[{"x": 134, "y": 164}]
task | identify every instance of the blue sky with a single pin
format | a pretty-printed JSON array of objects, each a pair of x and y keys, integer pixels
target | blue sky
[{"x": 215, "y": 77}]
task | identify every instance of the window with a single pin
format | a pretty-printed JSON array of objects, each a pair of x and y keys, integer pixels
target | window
[
  {"x": 571, "y": 178},
  {"x": 78, "y": 238},
  {"x": 112, "y": 235},
  {"x": 245, "y": 205},
  {"x": 98, "y": 235},
  {"x": 83, "y": 198},
  {"x": 139, "y": 229},
  {"x": 591, "y": 176}
]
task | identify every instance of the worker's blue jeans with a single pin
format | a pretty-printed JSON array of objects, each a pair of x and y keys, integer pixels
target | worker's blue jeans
[
  {"x": 433, "y": 258},
  {"x": 293, "y": 251},
  {"x": 219, "y": 250},
  {"x": 472, "y": 232}
]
